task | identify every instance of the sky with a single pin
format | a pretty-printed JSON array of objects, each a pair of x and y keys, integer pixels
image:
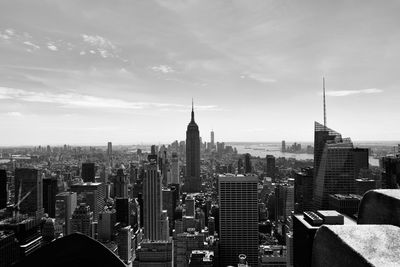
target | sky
[{"x": 92, "y": 71}]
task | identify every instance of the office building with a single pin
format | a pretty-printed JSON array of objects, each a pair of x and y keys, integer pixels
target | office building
[
  {"x": 303, "y": 189},
  {"x": 283, "y": 147},
  {"x": 247, "y": 163},
  {"x": 66, "y": 203},
  {"x": 3, "y": 189},
  {"x": 201, "y": 258},
  {"x": 121, "y": 184},
  {"x": 270, "y": 167},
  {"x": 153, "y": 253},
  {"x": 124, "y": 244},
  {"x": 164, "y": 225},
  {"x": 92, "y": 194},
  {"x": 82, "y": 219},
  {"x": 152, "y": 200},
  {"x": 189, "y": 205},
  {"x": 192, "y": 178},
  {"x": 322, "y": 135},
  {"x": 238, "y": 218},
  {"x": 169, "y": 204},
  {"x": 391, "y": 172},
  {"x": 272, "y": 256},
  {"x": 284, "y": 201},
  {"x": 122, "y": 207},
  {"x": 88, "y": 172},
  {"x": 363, "y": 185},
  {"x": 109, "y": 153},
  {"x": 49, "y": 196},
  {"x": 175, "y": 169},
  {"x": 29, "y": 183},
  {"x": 340, "y": 165},
  {"x": 185, "y": 243},
  {"x": 105, "y": 225},
  {"x": 345, "y": 204},
  {"x": 9, "y": 248}
]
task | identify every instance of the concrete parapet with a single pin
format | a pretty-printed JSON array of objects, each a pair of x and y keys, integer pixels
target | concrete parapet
[
  {"x": 380, "y": 207},
  {"x": 356, "y": 246}
]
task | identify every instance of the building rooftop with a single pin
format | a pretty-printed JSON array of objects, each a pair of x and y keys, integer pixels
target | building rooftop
[{"x": 346, "y": 196}]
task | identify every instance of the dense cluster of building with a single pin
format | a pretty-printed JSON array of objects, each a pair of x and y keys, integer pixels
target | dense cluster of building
[{"x": 186, "y": 204}]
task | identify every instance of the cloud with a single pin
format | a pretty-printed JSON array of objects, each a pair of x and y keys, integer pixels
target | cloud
[
  {"x": 354, "y": 92},
  {"x": 14, "y": 114},
  {"x": 76, "y": 100},
  {"x": 31, "y": 45},
  {"x": 52, "y": 47},
  {"x": 10, "y": 32},
  {"x": 163, "y": 69},
  {"x": 257, "y": 77},
  {"x": 98, "y": 41}
]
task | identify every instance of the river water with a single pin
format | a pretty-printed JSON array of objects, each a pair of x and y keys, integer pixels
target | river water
[{"x": 263, "y": 149}]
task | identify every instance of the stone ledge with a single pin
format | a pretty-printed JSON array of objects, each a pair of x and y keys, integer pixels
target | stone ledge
[
  {"x": 356, "y": 246},
  {"x": 380, "y": 207}
]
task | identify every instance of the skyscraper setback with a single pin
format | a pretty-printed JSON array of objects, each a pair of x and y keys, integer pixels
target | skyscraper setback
[
  {"x": 337, "y": 165},
  {"x": 192, "y": 179}
]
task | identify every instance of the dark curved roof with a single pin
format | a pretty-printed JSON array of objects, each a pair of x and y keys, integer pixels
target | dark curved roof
[{"x": 72, "y": 250}]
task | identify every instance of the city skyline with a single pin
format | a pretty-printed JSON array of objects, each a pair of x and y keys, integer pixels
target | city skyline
[{"x": 90, "y": 72}]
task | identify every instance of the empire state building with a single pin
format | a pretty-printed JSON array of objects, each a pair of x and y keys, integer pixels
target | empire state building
[{"x": 192, "y": 179}]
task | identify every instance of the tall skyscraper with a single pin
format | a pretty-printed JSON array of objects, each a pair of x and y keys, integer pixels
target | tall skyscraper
[
  {"x": 247, "y": 163},
  {"x": 82, "y": 219},
  {"x": 122, "y": 207},
  {"x": 29, "y": 183},
  {"x": 66, "y": 203},
  {"x": 105, "y": 226},
  {"x": 121, "y": 184},
  {"x": 391, "y": 172},
  {"x": 212, "y": 139},
  {"x": 322, "y": 135},
  {"x": 238, "y": 219},
  {"x": 124, "y": 244},
  {"x": 270, "y": 168},
  {"x": 109, "y": 153},
  {"x": 339, "y": 166},
  {"x": 192, "y": 179},
  {"x": 88, "y": 172},
  {"x": 92, "y": 194},
  {"x": 49, "y": 196},
  {"x": 175, "y": 169},
  {"x": 283, "y": 149},
  {"x": 152, "y": 200},
  {"x": 303, "y": 189},
  {"x": 3, "y": 189}
]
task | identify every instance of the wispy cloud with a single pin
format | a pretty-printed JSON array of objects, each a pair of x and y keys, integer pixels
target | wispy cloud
[
  {"x": 14, "y": 114},
  {"x": 28, "y": 43},
  {"x": 105, "y": 47},
  {"x": 76, "y": 100},
  {"x": 354, "y": 92},
  {"x": 98, "y": 41},
  {"x": 257, "y": 77},
  {"x": 163, "y": 69}
]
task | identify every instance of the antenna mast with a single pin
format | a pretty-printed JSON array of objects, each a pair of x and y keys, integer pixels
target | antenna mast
[{"x": 323, "y": 85}]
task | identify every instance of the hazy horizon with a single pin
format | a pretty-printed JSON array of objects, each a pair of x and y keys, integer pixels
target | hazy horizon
[{"x": 80, "y": 72}]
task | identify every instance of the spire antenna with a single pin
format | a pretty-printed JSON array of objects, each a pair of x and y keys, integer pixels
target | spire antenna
[
  {"x": 192, "y": 110},
  {"x": 323, "y": 85}
]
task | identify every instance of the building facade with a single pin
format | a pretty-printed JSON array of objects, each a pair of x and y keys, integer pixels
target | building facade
[{"x": 238, "y": 218}]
